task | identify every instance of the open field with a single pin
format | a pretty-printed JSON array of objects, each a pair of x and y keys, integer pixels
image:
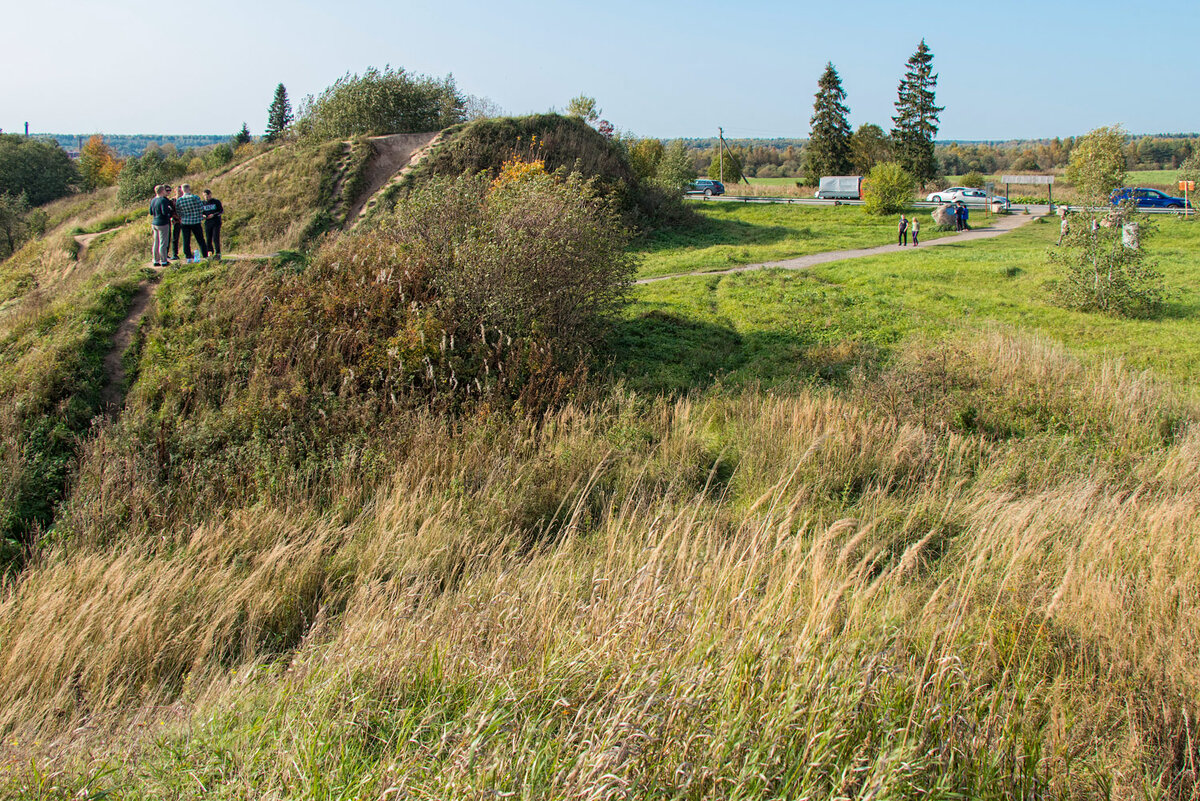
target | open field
[
  {"x": 781, "y": 325},
  {"x": 729, "y": 234}
]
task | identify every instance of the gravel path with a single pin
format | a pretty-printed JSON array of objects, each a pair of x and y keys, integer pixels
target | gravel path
[{"x": 1002, "y": 225}]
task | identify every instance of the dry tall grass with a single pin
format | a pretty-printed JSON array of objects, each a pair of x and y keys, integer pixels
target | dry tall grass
[{"x": 816, "y": 595}]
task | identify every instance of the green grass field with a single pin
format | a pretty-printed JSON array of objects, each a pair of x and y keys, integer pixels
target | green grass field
[
  {"x": 730, "y": 234},
  {"x": 774, "y": 325}
]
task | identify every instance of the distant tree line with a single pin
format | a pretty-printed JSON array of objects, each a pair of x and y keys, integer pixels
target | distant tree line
[{"x": 126, "y": 145}]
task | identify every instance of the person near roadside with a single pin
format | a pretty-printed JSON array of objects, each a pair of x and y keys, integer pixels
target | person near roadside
[
  {"x": 1064, "y": 228},
  {"x": 902, "y": 240},
  {"x": 161, "y": 210},
  {"x": 960, "y": 216},
  {"x": 189, "y": 208},
  {"x": 212, "y": 210},
  {"x": 176, "y": 228},
  {"x": 916, "y": 231}
]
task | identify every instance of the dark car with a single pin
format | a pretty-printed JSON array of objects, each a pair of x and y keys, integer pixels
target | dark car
[
  {"x": 706, "y": 186},
  {"x": 1148, "y": 198}
]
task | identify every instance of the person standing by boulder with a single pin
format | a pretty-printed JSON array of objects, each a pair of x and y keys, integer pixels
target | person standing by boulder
[
  {"x": 212, "y": 210},
  {"x": 188, "y": 207},
  {"x": 161, "y": 210},
  {"x": 902, "y": 240},
  {"x": 916, "y": 231}
]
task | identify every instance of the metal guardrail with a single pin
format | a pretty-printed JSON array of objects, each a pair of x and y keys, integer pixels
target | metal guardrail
[{"x": 1027, "y": 208}]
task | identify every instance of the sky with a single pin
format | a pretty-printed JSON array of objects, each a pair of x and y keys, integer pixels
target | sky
[{"x": 1019, "y": 69}]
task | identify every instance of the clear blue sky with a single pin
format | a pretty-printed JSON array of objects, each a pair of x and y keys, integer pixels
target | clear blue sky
[{"x": 1016, "y": 69}]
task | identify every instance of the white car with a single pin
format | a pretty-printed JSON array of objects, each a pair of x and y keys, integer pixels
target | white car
[{"x": 966, "y": 194}]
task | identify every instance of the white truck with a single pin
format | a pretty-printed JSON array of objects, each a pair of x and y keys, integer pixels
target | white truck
[{"x": 840, "y": 187}]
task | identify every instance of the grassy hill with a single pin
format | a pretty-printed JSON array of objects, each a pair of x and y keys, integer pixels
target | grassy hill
[{"x": 893, "y": 527}]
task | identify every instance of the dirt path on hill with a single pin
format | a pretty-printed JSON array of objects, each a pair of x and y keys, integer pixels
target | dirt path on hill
[
  {"x": 392, "y": 155},
  {"x": 85, "y": 240},
  {"x": 1001, "y": 226},
  {"x": 112, "y": 395}
]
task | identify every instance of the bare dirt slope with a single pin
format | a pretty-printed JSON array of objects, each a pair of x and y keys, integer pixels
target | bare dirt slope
[{"x": 393, "y": 154}]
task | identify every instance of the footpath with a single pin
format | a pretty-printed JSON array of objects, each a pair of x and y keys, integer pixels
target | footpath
[{"x": 1002, "y": 225}]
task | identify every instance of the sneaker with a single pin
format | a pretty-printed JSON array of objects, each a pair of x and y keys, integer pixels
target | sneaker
[{"x": 174, "y": 258}]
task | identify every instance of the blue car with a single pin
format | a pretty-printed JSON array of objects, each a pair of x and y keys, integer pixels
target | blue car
[
  {"x": 707, "y": 187},
  {"x": 1147, "y": 198}
]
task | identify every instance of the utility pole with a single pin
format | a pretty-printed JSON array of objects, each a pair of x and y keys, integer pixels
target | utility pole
[{"x": 721, "y": 153}]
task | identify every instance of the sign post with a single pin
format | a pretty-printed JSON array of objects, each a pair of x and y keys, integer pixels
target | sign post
[
  {"x": 1039, "y": 180},
  {"x": 1187, "y": 186}
]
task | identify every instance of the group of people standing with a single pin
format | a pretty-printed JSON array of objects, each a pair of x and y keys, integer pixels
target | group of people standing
[
  {"x": 959, "y": 210},
  {"x": 905, "y": 226},
  {"x": 188, "y": 215}
]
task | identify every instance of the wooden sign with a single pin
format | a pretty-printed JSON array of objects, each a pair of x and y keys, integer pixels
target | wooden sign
[{"x": 1026, "y": 179}]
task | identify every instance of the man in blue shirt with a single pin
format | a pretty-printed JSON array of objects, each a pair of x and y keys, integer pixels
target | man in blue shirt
[
  {"x": 160, "y": 224},
  {"x": 190, "y": 209}
]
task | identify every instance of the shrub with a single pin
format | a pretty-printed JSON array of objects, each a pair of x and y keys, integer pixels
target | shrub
[
  {"x": 219, "y": 156},
  {"x": 530, "y": 253},
  {"x": 139, "y": 176},
  {"x": 1099, "y": 272},
  {"x": 973, "y": 179},
  {"x": 888, "y": 189},
  {"x": 381, "y": 102}
]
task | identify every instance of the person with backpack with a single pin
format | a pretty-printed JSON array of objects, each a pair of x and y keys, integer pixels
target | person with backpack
[{"x": 212, "y": 210}]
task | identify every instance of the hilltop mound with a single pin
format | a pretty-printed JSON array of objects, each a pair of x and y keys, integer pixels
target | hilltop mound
[{"x": 566, "y": 143}]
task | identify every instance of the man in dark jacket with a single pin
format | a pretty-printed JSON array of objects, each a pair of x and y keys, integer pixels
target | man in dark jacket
[
  {"x": 161, "y": 209},
  {"x": 212, "y": 210}
]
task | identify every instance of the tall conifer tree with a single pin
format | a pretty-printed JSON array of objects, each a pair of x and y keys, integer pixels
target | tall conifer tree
[
  {"x": 917, "y": 117},
  {"x": 279, "y": 116},
  {"x": 828, "y": 150}
]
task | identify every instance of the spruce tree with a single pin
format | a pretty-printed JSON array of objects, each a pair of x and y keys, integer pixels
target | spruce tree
[
  {"x": 279, "y": 116},
  {"x": 828, "y": 150},
  {"x": 242, "y": 137},
  {"x": 917, "y": 117}
]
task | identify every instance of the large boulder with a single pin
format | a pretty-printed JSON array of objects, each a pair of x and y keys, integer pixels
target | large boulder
[{"x": 944, "y": 214}]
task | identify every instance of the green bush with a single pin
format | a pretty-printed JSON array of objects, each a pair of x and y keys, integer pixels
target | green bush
[
  {"x": 219, "y": 156},
  {"x": 973, "y": 179},
  {"x": 888, "y": 189},
  {"x": 140, "y": 175},
  {"x": 381, "y": 102}
]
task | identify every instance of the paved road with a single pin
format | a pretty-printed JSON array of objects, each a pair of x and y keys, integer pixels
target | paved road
[{"x": 1000, "y": 225}]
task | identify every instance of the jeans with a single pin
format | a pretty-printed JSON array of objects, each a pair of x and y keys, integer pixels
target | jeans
[
  {"x": 162, "y": 242},
  {"x": 190, "y": 229},
  {"x": 903, "y": 240},
  {"x": 176, "y": 228},
  {"x": 212, "y": 234}
]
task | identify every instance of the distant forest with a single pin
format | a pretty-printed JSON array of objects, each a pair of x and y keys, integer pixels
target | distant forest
[
  {"x": 784, "y": 158},
  {"x": 127, "y": 145}
]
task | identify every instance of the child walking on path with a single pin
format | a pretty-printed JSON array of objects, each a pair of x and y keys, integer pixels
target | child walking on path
[
  {"x": 916, "y": 231},
  {"x": 903, "y": 238}
]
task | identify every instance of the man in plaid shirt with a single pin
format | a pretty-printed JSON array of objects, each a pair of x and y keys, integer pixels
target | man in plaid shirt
[{"x": 188, "y": 207}]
